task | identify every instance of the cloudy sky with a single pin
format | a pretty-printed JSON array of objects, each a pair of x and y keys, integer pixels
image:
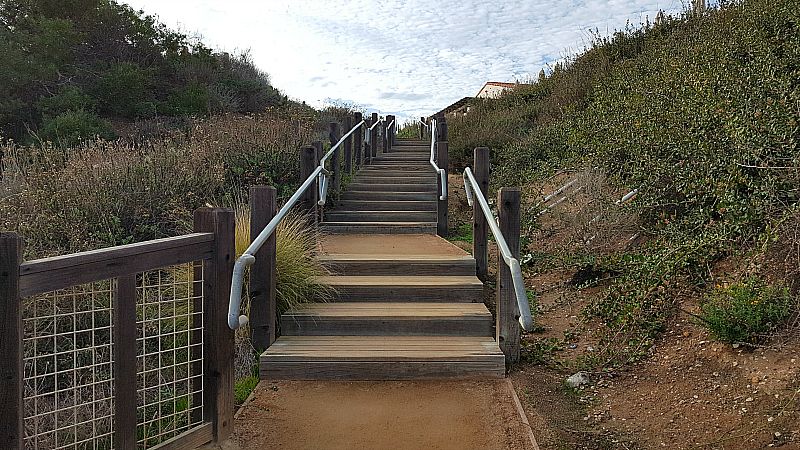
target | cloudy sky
[{"x": 404, "y": 57}]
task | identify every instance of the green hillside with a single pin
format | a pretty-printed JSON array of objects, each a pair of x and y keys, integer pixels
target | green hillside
[
  {"x": 700, "y": 114},
  {"x": 67, "y": 67}
]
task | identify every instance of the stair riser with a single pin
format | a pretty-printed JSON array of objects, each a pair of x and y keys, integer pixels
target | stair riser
[
  {"x": 368, "y": 205},
  {"x": 380, "y": 179},
  {"x": 433, "y": 294},
  {"x": 452, "y": 326},
  {"x": 275, "y": 369},
  {"x": 380, "y": 216},
  {"x": 351, "y": 228},
  {"x": 389, "y": 196},
  {"x": 405, "y": 187},
  {"x": 411, "y": 169},
  {"x": 433, "y": 268}
]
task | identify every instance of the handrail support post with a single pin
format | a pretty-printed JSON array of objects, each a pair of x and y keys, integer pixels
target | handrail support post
[{"x": 508, "y": 327}]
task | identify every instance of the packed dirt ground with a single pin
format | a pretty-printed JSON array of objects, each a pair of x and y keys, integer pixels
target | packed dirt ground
[{"x": 689, "y": 392}]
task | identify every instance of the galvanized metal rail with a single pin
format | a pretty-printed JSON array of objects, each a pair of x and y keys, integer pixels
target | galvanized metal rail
[
  {"x": 247, "y": 258},
  {"x": 525, "y": 317}
]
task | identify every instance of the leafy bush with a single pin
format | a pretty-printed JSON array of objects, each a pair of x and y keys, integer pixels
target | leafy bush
[
  {"x": 123, "y": 91},
  {"x": 69, "y": 128},
  {"x": 746, "y": 312}
]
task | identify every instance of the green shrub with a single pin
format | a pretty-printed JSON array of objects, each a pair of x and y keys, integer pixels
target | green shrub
[
  {"x": 69, "y": 128},
  {"x": 745, "y": 312},
  {"x": 123, "y": 91},
  {"x": 191, "y": 100},
  {"x": 70, "y": 98}
]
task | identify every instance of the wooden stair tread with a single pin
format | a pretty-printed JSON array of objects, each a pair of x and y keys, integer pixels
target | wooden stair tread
[
  {"x": 393, "y": 310},
  {"x": 399, "y": 280},
  {"x": 372, "y": 348}
]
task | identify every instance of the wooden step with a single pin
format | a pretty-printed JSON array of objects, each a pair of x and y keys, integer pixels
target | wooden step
[
  {"x": 383, "y": 288},
  {"x": 380, "y": 216},
  {"x": 381, "y": 358},
  {"x": 395, "y": 205},
  {"x": 392, "y": 187},
  {"x": 388, "y": 319},
  {"x": 379, "y": 227},
  {"x": 388, "y": 196},
  {"x": 377, "y": 178},
  {"x": 399, "y": 264}
]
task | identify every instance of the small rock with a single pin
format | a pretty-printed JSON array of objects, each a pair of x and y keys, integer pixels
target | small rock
[
  {"x": 735, "y": 363},
  {"x": 749, "y": 399},
  {"x": 579, "y": 379},
  {"x": 573, "y": 346},
  {"x": 770, "y": 419},
  {"x": 777, "y": 434},
  {"x": 735, "y": 345}
]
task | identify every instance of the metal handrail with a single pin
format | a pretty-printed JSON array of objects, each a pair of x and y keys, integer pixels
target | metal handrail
[
  {"x": 442, "y": 173},
  {"x": 525, "y": 319},
  {"x": 247, "y": 258}
]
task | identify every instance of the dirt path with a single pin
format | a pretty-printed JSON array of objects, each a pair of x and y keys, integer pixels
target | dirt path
[{"x": 381, "y": 415}]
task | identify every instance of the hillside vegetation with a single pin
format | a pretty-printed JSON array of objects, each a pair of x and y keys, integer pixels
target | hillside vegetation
[
  {"x": 69, "y": 68},
  {"x": 700, "y": 114}
]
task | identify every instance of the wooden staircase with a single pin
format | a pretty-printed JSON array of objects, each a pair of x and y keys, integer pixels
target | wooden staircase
[{"x": 408, "y": 303}]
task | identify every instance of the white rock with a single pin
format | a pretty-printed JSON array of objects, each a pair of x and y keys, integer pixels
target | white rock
[{"x": 579, "y": 379}]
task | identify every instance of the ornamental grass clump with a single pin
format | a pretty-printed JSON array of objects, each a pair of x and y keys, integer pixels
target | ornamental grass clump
[{"x": 745, "y": 313}]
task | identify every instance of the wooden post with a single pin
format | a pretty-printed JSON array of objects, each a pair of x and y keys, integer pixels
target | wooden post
[
  {"x": 442, "y": 162},
  {"x": 336, "y": 163},
  {"x": 374, "y": 137},
  {"x": 422, "y": 128},
  {"x": 508, "y": 201},
  {"x": 384, "y": 134},
  {"x": 12, "y": 430},
  {"x": 125, "y": 363},
  {"x": 389, "y": 132},
  {"x": 218, "y": 338},
  {"x": 317, "y": 157},
  {"x": 480, "y": 227},
  {"x": 357, "y": 139},
  {"x": 309, "y": 160},
  {"x": 263, "y": 207},
  {"x": 348, "y": 146}
]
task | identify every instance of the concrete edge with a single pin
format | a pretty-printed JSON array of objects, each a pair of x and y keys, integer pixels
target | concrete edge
[{"x": 522, "y": 414}]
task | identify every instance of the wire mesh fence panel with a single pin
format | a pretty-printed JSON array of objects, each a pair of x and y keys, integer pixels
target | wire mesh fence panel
[
  {"x": 68, "y": 382},
  {"x": 69, "y": 378},
  {"x": 169, "y": 353}
]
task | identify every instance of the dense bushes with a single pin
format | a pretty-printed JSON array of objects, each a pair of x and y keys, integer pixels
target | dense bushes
[{"x": 102, "y": 58}]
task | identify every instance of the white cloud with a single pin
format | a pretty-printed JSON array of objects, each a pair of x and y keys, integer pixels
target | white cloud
[{"x": 404, "y": 57}]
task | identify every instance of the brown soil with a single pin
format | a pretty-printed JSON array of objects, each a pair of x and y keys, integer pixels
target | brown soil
[
  {"x": 381, "y": 414},
  {"x": 689, "y": 392}
]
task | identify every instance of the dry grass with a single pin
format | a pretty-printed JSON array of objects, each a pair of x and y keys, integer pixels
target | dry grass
[{"x": 111, "y": 193}]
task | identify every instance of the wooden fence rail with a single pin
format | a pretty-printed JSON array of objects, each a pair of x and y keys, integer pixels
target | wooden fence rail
[{"x": 213, "y": 244}]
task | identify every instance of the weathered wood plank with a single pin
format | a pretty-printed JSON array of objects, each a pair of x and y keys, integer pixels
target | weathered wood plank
[
  {"x": 263, "y": 207},
  {"x": 358, "y": 153},
  {"x": 389, "y": 319},
  {"x": 218, "y": 337},
  {"x": 125, "y": 413},
  {"x": 508, "y": 201},
  {"x": 50, "y": 274},
  {"x": 348, "y": 146},
  {"x": 336, "y": 160},
  {"x": 189, "y": 440},
  {"x": 480, "y": 227},
  {"x": 12, "y": 431}
]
